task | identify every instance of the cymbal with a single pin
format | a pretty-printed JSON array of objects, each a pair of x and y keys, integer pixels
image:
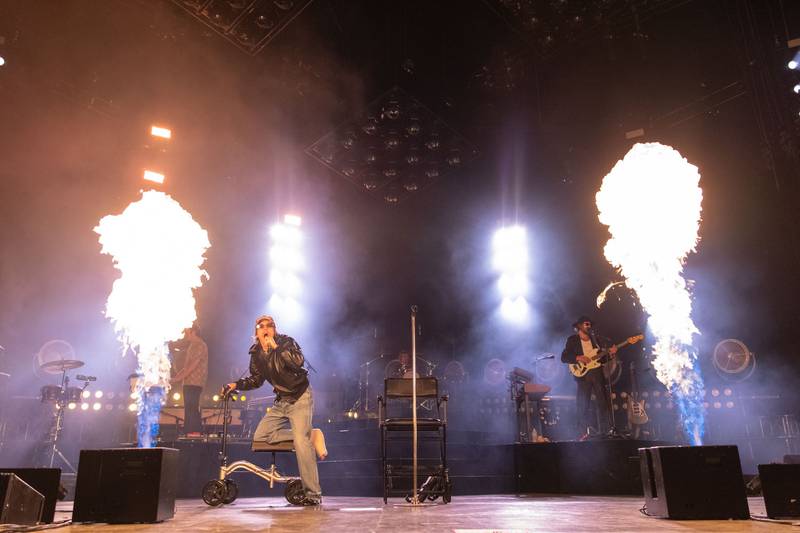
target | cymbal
[{"x": 56, "y": 367}]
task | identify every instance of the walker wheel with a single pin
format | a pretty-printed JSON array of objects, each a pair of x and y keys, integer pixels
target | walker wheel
[
  {"x": 294, "y": 492},
  {"x": 214, "y": 492},
  {"x": 448, "y": 490},
  {"x": 231, "y": 491}
]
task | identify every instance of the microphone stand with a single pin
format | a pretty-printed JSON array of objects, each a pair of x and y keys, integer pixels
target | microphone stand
[
  {"x": 365, "y": 389},
  {"x": 415, "y": 495},
  {"x": 612, "y": 432}
]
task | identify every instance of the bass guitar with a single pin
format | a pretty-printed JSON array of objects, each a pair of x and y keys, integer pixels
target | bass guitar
[{"x": 580, "y": 369}]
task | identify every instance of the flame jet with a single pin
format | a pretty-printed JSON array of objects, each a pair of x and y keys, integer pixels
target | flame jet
[
  {"x": 651, "y": 202},
  {"x": 159, "y": 249}
]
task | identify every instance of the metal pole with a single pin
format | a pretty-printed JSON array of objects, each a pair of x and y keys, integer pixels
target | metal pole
[{"x": 415, "y": 498}]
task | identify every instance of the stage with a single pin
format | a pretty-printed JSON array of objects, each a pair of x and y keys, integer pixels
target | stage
[{"x": 466, "y": 513}]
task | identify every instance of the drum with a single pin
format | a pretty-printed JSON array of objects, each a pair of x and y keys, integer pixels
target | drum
[
  {"x": 454, "y": 372},
  {"x": 50, "y": 393},
  {"x": 74, "y": 394}
]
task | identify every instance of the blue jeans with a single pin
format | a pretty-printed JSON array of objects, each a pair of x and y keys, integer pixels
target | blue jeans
[{"x": 292, "y": 422}]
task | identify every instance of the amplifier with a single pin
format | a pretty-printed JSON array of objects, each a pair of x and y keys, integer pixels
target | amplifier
[
  {"x": 46, "y": 481},
  {"x": 19, "y": 502},
  {"x": 780, "y": 485},
  {"x": 126, "y": 485},
  {"x": 693, "y": 482}
]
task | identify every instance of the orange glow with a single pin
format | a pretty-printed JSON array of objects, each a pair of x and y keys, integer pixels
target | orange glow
[
  {"x": 157, "y": 131},
  {"x": 149, "y": 175}
]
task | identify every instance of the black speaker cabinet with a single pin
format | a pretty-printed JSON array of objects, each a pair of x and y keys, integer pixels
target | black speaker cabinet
[
  {"x": 126, "y": 485},
  {"x": 19, "y": 502},
  {"x": 780, "y": 485},
  {"x": 44, "y": 481},
  {"x": 693, "y": 482}
]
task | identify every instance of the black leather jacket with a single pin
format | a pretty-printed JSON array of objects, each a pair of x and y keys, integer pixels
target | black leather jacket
[{"x": 282, "y": 368}]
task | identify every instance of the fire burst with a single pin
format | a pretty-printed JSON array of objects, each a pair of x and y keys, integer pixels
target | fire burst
[
  {"x": 159, "y": 249},
  {"x": 651, "y": 203}
]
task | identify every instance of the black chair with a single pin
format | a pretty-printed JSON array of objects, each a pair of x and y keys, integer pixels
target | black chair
[{"x": 396, "y": 425}]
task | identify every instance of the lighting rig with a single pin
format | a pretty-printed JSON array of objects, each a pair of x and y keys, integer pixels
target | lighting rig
[
  {"x": 394, "y": 149},
  {"x": 249, "y": 24}
]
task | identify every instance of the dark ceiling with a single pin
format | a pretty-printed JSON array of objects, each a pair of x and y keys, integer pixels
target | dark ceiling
[{"x": 545, "y": 91}]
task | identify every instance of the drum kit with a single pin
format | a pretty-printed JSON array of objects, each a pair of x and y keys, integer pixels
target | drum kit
[
  {"x": 400, "y": 367},
  {"x": 61, "y": 396}
]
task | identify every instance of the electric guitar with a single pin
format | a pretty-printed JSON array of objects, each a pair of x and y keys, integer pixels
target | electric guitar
[
  {"x": 637, "y": 416},
  {"x": 580, "y": 369}
]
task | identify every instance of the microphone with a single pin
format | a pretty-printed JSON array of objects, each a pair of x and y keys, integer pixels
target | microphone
[
  {"x": 81, "y": 377},
  {"x": 546, "y": 357}
]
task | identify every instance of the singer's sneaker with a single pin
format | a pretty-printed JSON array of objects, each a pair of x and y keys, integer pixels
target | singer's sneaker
[{"x": 318, "y": 440}]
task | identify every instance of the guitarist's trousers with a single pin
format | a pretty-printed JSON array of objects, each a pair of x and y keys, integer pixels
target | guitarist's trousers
[{"x": 593, "y": 382}]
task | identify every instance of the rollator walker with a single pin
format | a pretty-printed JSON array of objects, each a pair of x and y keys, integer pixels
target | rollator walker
[{"x": 224, "y": 490}]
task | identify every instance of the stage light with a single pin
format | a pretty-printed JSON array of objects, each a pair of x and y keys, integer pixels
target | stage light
[
  {"x": 729, "y": 405},
  {"x": 111, "y": 395},
  {"x": 133, "y": 396},
  {"x": 157, "y": 131},
  {"x": 792, "y": 64},
  {"x": 109, "y": 407},
  {"x": 84, "y": 406},
  {"x": 132, "y": 407},
  {"x": 97, "y": 406},
  {"x": 510, "y": 249},
  {"x": 515, "y": 310},
  {"x": 71, "y": 406},
  {"x": 156, "y": 177},
  {"x": 727, "y": 392},
  {"x": 2, "y": 61},
  {"x": 286, "y": 261},
  {"x": 98, "y": 394},
  {"x": 717, "y": 405},
  {"x": 513, "y": 284},
  {"x": 796, "y": 89},
  {"x": 176, "y": 396},
  {"x": 714, "y": 392},
  {"x": 215, "y": 397},
  {"x": 86, "y": 394},
  {"x": 510, "y": 260},
  {"x": 243, "y": 397}
]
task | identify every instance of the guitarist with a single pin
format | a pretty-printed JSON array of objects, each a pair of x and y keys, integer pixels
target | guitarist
[{"x": 579, "y": 349}]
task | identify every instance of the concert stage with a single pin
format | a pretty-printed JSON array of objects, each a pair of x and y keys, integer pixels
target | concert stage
[
  {"x": 602, "y": 467},
  {"x": 467, "y": 513}
]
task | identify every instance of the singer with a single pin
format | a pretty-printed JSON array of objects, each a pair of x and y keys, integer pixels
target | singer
[
  {"x": 279, "y": 360},
  {"x": 579, "y": 348}
]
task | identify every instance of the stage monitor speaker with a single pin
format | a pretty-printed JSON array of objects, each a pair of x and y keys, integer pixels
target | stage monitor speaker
[
  {"x": 19, "y": 502},
  {"x": 693, "y": 482},
  {"x": 780, "y": 485},
  {"x": 45, "y": 481},
  {"x": 126, "y": 485}
]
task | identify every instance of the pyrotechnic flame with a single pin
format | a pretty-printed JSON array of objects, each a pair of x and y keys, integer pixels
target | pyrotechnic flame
[
  {"x": 601, "y": 298},
  {"x": 158, "y": 248},
  {"x": 651, "y": 203}
]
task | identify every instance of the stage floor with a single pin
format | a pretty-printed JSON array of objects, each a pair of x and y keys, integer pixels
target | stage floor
[{"x": 466, "y": 513}]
